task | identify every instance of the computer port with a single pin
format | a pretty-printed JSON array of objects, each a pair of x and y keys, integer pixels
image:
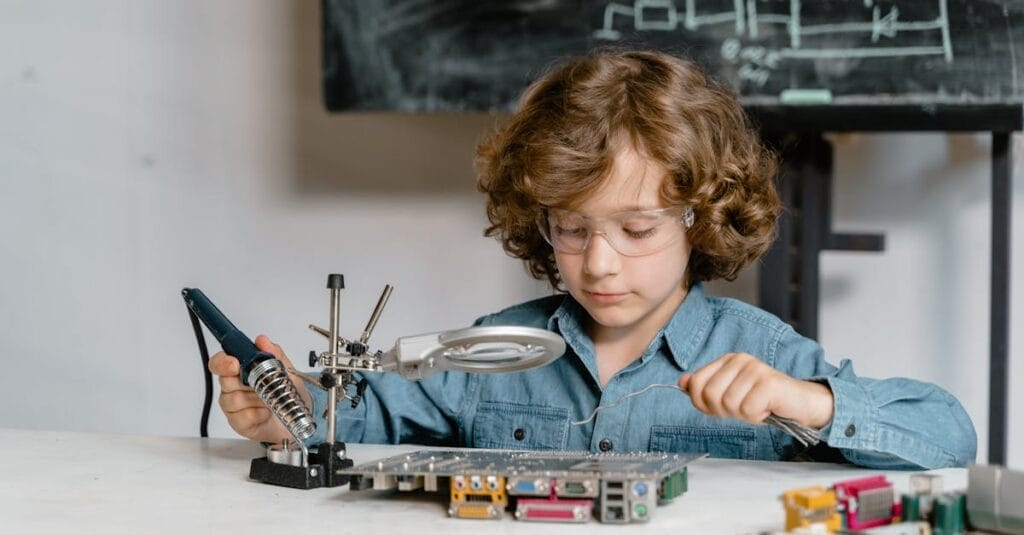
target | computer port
[
  {"x": 528, "y": 487},
  {"x": 543, "y": 510}
]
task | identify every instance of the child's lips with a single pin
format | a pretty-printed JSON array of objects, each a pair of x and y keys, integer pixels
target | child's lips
[{"x": 606, "y": 297}]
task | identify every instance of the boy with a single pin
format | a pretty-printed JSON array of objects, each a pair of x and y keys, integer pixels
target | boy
[{"x": 626, "y": 179}]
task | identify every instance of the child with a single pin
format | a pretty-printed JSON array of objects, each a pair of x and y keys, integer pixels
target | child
[{"x": 626, "y": 179}]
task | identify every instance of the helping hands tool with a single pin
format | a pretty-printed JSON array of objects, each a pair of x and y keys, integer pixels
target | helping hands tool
[{"x": 483, "y": 349}]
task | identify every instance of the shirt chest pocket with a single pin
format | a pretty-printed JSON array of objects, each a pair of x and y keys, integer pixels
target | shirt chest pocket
[
  {"x": 729, "y": 443},
  {"x": 520, "y": 427}
]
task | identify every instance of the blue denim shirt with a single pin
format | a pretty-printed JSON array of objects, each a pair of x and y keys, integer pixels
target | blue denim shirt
[{"x": 890, "y": 423}]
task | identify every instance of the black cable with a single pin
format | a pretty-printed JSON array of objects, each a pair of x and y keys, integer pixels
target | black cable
[{"x": 207, "y": 376}]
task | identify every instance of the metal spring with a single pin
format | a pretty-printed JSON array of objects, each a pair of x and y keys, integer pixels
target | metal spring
[{"x": 271, "y": 382}]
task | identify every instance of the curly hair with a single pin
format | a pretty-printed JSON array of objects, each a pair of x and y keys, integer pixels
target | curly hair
[{"x": 560, "y": 145}]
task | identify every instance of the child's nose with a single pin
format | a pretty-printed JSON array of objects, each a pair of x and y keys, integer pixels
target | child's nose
[{"x": 600, "y": 259}]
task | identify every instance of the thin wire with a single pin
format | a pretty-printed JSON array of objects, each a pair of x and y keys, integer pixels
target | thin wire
[
  {"x": 619, "y": 401},
  {"x": 803, "y": 434}
]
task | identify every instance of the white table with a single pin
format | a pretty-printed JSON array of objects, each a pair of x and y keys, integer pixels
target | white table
[{"x": 103, "y": 483}]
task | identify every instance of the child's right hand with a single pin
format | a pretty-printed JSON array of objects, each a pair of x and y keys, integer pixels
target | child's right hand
[{"x": 245, "y": 412}]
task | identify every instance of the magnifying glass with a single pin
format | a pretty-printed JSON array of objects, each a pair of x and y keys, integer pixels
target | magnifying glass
[{"x": 484, "y": 349}]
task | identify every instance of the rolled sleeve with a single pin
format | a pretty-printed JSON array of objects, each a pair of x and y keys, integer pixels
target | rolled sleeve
[
  {"x": 892, "y": 423},
  {"x": 899, "y": 424}
]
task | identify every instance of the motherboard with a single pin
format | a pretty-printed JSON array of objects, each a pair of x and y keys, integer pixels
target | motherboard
[{"x": 540, "y": 486}]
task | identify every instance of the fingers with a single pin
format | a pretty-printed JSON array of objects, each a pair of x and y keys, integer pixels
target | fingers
[
  {"x": 746, "y": 383},
  {"x": 239, "y": 400},
  {"x": 755, "y": 406},
  {"x": 696, "y": 382},
  {"x": 244, "y": 410},
  {"x": 223, "y": 365},
  {"x": 249, "y": 417},
  {"x": 264, "y": 343},
  {"x": 719, "y": 386},
  {"x": 725, "y": 388},
  {"x": 250, "y": 423},
  {"x": 736, "y": 385},
  {"x": 226, "y": 368}
]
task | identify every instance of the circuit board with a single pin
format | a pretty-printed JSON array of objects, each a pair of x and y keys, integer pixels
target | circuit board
[{"x": 535, "y": 486}]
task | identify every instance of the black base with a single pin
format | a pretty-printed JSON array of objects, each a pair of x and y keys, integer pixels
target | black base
[{"x": 322, "y": 469}]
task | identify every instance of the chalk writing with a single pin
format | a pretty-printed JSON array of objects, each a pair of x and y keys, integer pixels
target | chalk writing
[{"x": 751, "y": 20}]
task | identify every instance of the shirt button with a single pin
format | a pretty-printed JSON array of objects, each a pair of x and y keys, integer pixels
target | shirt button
[
  {"x": 851, "y": 430},
  {"x": 605, "y": 445},
  {"x": 519, "y": 434}
]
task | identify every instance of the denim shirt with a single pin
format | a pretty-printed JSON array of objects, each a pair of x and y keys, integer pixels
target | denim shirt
[{"x": 890, "y": 423}]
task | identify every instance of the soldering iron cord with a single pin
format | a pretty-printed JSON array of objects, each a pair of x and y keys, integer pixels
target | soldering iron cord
[{"x": 204, "y": 354}]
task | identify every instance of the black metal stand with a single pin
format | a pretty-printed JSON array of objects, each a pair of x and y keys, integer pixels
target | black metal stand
[
  {"x": 321, "y": 470},
  {"x": 999, "y": 324},
  {"x": 789, "y": 280},
  {"x": 805, "y": 229}
]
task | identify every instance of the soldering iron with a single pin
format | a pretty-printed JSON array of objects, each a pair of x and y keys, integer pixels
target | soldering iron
[{"x": 258, "y": 369}]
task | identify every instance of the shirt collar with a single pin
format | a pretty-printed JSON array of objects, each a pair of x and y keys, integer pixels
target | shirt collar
[
  {"x": 684, "y": 333},
  {"x": 689, "y": 327},
  {"x": 569, "y": 320}
]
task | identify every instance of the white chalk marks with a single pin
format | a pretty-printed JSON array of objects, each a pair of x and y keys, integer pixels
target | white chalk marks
[{"x": 887, "y": 32}]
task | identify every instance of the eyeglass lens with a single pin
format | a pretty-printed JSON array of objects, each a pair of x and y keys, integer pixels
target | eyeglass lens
[{"x": 630, "y": 233}]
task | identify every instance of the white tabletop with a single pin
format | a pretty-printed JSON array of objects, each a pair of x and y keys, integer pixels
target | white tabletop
[{"x": 92, "y": 483}]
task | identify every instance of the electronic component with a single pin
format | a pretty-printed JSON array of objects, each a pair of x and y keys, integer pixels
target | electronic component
[
  {"x": 945, "y": 514},
  {"x": 477, "y": 496},
  {"x": 995, "y": 498},
  {"x": 811, "y": 508},
  {"x": 866, "y": 506},
  {"x": 671, "y": 486},
  {"x": 866, "y": 502},
  {"x": 554, "y": 509},
  {"x": 539, "y": 485}
]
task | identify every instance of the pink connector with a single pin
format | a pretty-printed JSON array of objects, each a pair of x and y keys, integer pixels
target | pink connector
[
  {"x": 867, "y": 502},
  {"x": 553, "y": 508}
]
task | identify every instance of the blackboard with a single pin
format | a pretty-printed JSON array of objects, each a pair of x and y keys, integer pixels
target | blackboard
[{"x": 440, "y": 55}]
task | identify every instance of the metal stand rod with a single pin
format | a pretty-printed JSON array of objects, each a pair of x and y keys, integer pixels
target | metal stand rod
[
  {"x": 790, "y": 271},
  {"x": 332, "y": 341},
  {"x": 999, "y": 312},
  {"x": 372, "y": 324}
]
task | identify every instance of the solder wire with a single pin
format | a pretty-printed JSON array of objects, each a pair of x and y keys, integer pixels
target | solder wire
[{"x": 803, "y": 434}]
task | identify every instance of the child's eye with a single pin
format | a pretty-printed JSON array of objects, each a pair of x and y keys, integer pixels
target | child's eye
[
  {"x": 639, "y": 234},
  {"x": 569, "y": 231}
]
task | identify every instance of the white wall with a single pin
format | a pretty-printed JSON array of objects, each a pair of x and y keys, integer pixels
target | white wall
[{"x": 150, "y": 145}]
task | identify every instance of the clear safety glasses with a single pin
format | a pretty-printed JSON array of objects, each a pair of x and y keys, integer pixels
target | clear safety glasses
[{"x": 632, "y": 233}]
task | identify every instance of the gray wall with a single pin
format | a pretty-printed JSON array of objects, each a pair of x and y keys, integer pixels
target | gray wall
[{"x": 150, "y": 145}]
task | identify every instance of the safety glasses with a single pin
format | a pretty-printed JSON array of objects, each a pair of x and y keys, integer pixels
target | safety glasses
[{"x": 630, "y": 233}]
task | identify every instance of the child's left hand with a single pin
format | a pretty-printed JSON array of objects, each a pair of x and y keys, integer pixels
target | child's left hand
[{"x": 741, "y": 386}]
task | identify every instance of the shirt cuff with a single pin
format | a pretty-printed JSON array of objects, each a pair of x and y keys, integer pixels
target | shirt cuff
[{"x": 853, "y": 424}]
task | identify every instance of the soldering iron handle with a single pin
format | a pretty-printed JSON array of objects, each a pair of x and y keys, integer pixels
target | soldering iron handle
[{"x": 234, "y": 341}]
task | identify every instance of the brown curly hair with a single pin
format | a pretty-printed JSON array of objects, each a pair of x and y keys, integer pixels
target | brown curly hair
[{"x": 560, "y": 145}]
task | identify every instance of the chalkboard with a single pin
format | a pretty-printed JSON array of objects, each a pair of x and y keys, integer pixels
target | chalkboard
[{"x": 437, "y": 55}]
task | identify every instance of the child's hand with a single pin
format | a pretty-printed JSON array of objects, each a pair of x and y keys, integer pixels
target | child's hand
[
  {"x": 741, "y": 386},
  {"x": 245, "y": 412}
]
